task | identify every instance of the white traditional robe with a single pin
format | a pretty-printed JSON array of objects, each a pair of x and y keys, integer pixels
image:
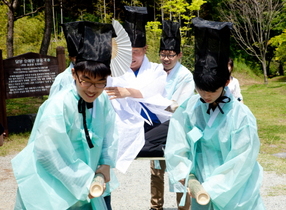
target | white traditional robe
[
  {"x": 151, "y": 81},
  {"x": 234, "y": 88}
]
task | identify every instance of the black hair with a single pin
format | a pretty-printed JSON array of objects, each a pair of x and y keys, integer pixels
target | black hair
[
  {"x": 92, "y": 68},
  {"x": 177, "y": 51},
  {"x": 210, "y": 79}
]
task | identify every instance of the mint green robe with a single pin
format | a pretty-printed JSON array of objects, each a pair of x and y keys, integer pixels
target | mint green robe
[
  {"x": 220, "y": 149},
  {"x": 55, "y": 170},
  {"x": 62, "y": 80}
]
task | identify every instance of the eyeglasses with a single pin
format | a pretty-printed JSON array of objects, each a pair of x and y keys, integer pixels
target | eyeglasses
[
  {"x": 88, "y": 84},
  {"x": 168, "y": 56}
]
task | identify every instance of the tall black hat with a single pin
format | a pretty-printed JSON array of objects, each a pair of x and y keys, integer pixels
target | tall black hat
[
  {"x": 73, "y": 36},
  {"x": 96, "y": 42},
  {"x": 171, "y": 37},
  {"x": 135, "y": 21},
  {"x": 212, "y": 45}
]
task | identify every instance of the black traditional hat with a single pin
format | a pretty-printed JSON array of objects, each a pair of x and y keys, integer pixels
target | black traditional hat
[
  {"x": 212, "y": 45},
  {"x": 135, "y": 21},
  {"x": 73, "y": 36},
  {"x": 96, "y": 42},
  {"x": 171, "y": 37}
]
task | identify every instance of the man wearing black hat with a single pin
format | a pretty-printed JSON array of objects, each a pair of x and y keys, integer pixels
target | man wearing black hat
[
  {"x": 72, "y": 32},
  {"x": 141, "y": 89},
  {"x": 212, "y": 135},
  {"x": 74, "y": 135},
  {"x": 179, "y": 87},
  {"x": 151, "y": 81},
  {"x": 144, "y": 79}
]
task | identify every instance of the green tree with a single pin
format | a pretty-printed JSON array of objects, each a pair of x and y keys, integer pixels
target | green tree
[
  {"x": 28, "y": 34},
  {"x": 3, "y": 29},
  {"x": 280, "y": 53},
  {"x": 12, "y": 6},
  {"x": 153, "y": 34},
  {"x": 48, "y": 28},
  {"x": 183, "y": 12},
  {"x": 253, "y": 21}
]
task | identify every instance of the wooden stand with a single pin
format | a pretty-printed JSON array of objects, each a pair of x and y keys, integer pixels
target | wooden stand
[
  {"x": 97, "y": 186},
  {"x": 3, "y": 115},
  {"x": 198, "y": 191}
]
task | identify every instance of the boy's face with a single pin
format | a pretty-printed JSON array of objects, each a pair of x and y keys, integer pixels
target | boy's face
[
  {"x": 137, "y": 57},
  {"x": 169, "y": 59},
  {"x": 210, "y": 97},
  {"x": 89, "y": 88}
]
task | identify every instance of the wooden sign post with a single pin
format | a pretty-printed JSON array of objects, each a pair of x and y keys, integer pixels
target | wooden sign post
[
  {"x": 27, "y": 75},
  {"x": 3, "y": 117}
]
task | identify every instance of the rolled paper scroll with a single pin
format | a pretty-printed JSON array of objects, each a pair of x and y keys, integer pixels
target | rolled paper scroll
[
  {"x": 197, "y": 190},
  {"x": 97, "y": 186}
]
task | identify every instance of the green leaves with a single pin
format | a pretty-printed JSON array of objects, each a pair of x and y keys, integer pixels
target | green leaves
[
  {"x": 279, "y": 42},
  {"x": 181, "y": 9}
]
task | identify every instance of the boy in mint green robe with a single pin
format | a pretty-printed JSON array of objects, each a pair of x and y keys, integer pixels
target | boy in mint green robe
[
  {"x": 212, "y": 135},
  {"x": 71, "y": 140}
]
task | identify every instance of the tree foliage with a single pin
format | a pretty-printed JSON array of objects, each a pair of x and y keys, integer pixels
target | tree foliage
[
  {"x": 28, "y": 34},
  {"x": 280, "y": 53},
  {"x": 29, "y": 24},
  {"x": 3, "y": 29},
  {"x": 153, "y": 34}
]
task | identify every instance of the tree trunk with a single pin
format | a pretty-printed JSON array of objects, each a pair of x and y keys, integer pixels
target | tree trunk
[
  {"x": 281, "y": 70},
  {"x": 265, "y": 71},
  {"x": 10, "y": 27},
  {"x": 114, "y": 9},
  {"x": 10, "y": 34},
  {"x": 162, "y": 12},
  {"x": 104, "y": 9},
  {"x": 48, "y": 28},
  {"x": 268, "y": 67}
]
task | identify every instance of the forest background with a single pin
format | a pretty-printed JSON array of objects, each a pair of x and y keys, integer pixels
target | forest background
[{"x": 258, "y": 36}]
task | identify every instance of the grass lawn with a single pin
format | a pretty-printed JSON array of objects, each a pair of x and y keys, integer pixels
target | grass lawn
[{"x": 267, "y": 102}]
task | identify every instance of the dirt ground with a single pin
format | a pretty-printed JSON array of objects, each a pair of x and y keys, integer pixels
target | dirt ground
[{"x": 134, "y": 190}]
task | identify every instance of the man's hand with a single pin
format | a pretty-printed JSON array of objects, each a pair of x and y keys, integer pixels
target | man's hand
[
  {"x": 105, "y": 170},
  {"x": 121, "y": 92},
  {"x": 117, "y": 92},
  {"x": 172, "y": 108}
]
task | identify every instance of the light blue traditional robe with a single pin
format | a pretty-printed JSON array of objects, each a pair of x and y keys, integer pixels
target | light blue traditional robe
[
  {"x": 62, "y": 80},
  {"x": 220, "y": 149},
  {"x": 55, "y": 170},
  {"x": 180, "y": 84},
  {"x": 179, "y": 87}
]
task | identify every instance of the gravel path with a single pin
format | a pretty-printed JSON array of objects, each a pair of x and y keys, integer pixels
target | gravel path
[{"x": 134, "y": 191}]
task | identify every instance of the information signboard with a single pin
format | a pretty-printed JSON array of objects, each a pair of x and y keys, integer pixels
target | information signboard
[{"x": 29, "y": 74}]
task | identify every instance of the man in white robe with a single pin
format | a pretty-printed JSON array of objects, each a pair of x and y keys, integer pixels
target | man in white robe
[{"x": 139, "y": 93}]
